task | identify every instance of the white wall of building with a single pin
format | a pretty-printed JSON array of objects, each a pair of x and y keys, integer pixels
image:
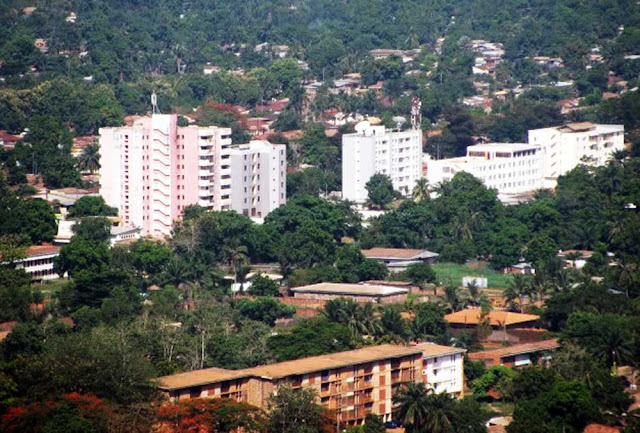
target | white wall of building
[
  {"x": 377, "y": 150},
  {"x": 445, "y": 373},
  {"x": 259, "y": 178}
]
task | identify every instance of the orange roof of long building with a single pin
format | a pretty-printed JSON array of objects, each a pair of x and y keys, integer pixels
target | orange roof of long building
[
  {"x": 516, "y": 349},
  {"x": 496, "y": 318},
  {"x": 288, "y": 368}
]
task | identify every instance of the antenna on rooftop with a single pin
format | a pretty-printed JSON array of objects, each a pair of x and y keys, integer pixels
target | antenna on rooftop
[
  {"x": 399, "y": 121},
  {"x": 154, "y": 103},
  {"x": 416, "y": 114}
]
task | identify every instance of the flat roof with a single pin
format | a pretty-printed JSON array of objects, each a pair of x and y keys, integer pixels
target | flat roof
[
  {"x": 502, "y": 147},
  {"x": 430, "y": 350},
  {"x": 517, "y": 349},
  {"x": 398, "y": 253},
  {"x": 42, "y": 250},
  {"x": 351, "y": 289},
  {"x": 496, "y": 318},
  {"x": 288, "y": 368}
]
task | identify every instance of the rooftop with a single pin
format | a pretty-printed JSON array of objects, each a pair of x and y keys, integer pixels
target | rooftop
[
  {"x": 430, "y": 350},
  {"x": 398, "y": 253},
  {"x": 517, "y": 349},
  {"x": 501, "y": 147},
  {"x": 496, "y": 318},
  {"x": 351, "y": 289},
  {"x": 41, "y": 250},
  {"x": 288, "y": 368}
]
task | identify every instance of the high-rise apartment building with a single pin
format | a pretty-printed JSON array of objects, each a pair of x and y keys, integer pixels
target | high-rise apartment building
[
  {"x": 150, "y": 171},
  {"x": 258, "y": 178},
  {"x": 377, "y": 150},
  {"x": 564, "y": 147}
]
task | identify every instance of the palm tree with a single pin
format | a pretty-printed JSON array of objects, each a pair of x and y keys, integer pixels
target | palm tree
[
  {"x": 334, "y": 310},
  {"x": 420, "y": 191},
  {"x": 241, "y": 275},
  {"x": 368, "y": 320},
  {"x": 413, "y": 406},
  {"x": 177, "y": 273},
  {"x": 473, "y": 293},
  {"x": 453, "y": 298},
  {"x": 236, "y": 257},
  {"x": 392, "y": 322},
  {"x": 517, "y": 289},
  {"x": 441, "y": 407},
  {"x": 89, "y": 160}
]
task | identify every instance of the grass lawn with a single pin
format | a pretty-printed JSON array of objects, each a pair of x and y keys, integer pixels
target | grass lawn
[
  {"x": 452, "y": 273},
  {"x": 51, "y": 287}
]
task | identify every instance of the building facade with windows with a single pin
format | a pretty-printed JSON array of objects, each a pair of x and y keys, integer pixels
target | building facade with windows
[
  {"x": 150, "y": 171},
  {"x": 258, "y": 178},
  {"x": 377, "y": 150},
  {"x": 443, "y": 368},
  {"x": 565, "y": 147},
  {"x": 507, "y": 167},
  {"x": 351, "y": 384},
  {"x": 38, "y": 263}
]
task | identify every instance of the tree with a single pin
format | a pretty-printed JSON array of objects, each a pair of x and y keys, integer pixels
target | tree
[
  {"x": 413, "y": 406},
  {"x": 72, "y": 412},
  {"x": 380, "y": 190},
  {"x": 568, "y": 408},
  {"x": 218, "y": 415},
  {"x": 309, "y": 338},
  {"x": 262, "y": 285},
  {"x": 518, "y": 288},
  {"x": 420, "y": 274},
  {"x": 296, "y": 411},
  {"x": 266, "y": 310},
  {"x": 93, "y": 229},
  {"x": 421, "y": 191},
  {"x": 91, "y": 206},
  {"x": 33, "y": 219},
  {"x": 82, "y": 255},
  {"x": 428, "y": 322},
  {"x": 89, "y": 160},
  {"x": 373, "y": 424}
]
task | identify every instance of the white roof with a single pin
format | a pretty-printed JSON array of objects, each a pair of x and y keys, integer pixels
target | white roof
[
  {"x": 351, "y": 289},
  {"x": 501, "y": 147}
]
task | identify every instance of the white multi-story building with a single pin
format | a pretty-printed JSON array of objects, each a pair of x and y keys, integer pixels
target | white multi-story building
[
  {"x": 565, "y": 147},
  {"x": 510, "y": 168},
  {"x": 443, "y": 368},
  {"x": 516, "y": 168},
  {"x": 152, "y": 170},
  {"x": 259, "y": 178},
  {"x": 377, "y": 150},
  {"x": 38, "y": 262}
]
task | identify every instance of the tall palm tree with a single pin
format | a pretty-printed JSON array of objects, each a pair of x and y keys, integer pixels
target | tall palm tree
[
  {"x": 89, "y": 160},
  {"x": 413, "y": 406},
  {"x": 441, "y": 407},
  {"x": 177, "y": 273},
  {"x": 453, "y": 298},
  {"x": 334, "y": 310},
  {"x": 473, "y": 292},
  {"x": 368, "y": 320},
  {"x": 420, "y": 191},
  {"x": 392, "y": 322},
  {"x": 236, "y": 257},
  {"x": 518, "y": 288}
]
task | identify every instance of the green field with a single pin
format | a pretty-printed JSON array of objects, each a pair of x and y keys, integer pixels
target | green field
[{"x": 452, "y": 273}]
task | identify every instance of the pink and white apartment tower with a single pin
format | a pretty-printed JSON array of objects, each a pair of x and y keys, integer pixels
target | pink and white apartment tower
[{"x": 152, "y": 170}]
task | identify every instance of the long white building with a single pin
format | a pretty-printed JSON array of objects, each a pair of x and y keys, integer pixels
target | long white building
[
  {"x": 565, "y": 147},
  {"x": 518, "y": 168},
  {"x": 510, "y": 168},
  {"x": 377, "y": 150},
  {"x": 152, "y": 170},
  {"x": 258, "y": 178}
]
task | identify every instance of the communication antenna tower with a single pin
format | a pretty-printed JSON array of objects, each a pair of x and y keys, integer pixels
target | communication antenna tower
[
  {"x": 416, "y": 115},
  {"x": 154, "y": 103}
]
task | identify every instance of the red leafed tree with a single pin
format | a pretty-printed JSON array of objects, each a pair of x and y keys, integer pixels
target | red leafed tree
[
  {"x": 219, "y": 415},
  {"x": 71, "y": 412}
]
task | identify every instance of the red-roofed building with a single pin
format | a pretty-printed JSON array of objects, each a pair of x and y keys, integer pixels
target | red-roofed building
[
  {"x": 39, "y": 262},
  {"x": 600, "y": 428},
  {"x": 518, "y": 355}
]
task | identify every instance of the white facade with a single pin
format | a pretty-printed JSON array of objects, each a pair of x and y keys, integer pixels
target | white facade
[
  {"x": 259, "y": 178},
  {"x": 377, "y": 150},
  {"x": 565, "y": 147},
  {"x": 38, "y": 262},
  {"x": 508, "y": 167},
  {"x": 516, "y": 168},
  {"x": 444, "y": 372}
]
